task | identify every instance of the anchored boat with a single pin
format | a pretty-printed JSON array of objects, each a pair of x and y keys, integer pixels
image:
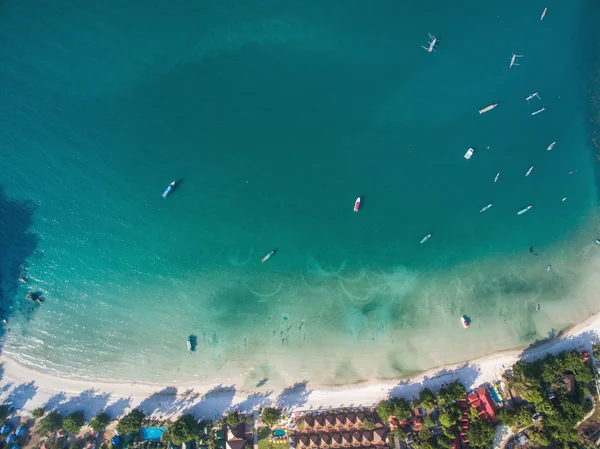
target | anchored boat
[
  {"x": 483, "y": 209},
  {"x": 544, "y": 14},
  {"x": 529, "y": 171},
  {"x": 189, "y": 344},
  {"x": 424, "y": 239},
  {"x": 551, "y": 146},
  {"x": 522, "y": 211},
  {"x": 469, "y": 153},
  {"x": 538, "y": 111},
  {"x": 357, "y": 204},
  {"x": 268, "y": 256},
  {"x": 497, "y": 176},
  {"x": 432, "y": 43},
  {"x": 488, "y": 108},
  {"x": 464, "y": 321},
  {"x": 169, "y": 189}
]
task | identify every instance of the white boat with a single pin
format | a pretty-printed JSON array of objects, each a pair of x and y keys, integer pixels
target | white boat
[
  {"x": 522, "y": 211},
  {"x": 565, "y": 198},
  {"x": 529, "y": 171},
  {"x": 513, "y": 60},
  {"x": 497, "y": 176},
  {"x": 538, "y": 111},
  {"x": 544, "y": 14},
  {"x": 598, "y": 241},
  {"x": 189, "y": 344},
  {"x": 469, "y": 153},
  {"x": 424, "y": 239},
  {"x": 431, "y": 44},
  {"x": 531, "y": 96},
  {"x": 464, "y": 321},
  {"x": 551, "y": 146},
  {"x": 483, "y": 209},
  {"x": 169, "y": 189},
  {"x": 488, "y": 108},
  {"x": 357, "y": 204}
]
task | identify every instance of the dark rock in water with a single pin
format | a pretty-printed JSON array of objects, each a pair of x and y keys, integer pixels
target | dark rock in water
[{"x": 35, "y": 297}]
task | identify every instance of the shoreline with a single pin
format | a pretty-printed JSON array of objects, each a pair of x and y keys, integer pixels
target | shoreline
[{"x": 28, "y": 388}]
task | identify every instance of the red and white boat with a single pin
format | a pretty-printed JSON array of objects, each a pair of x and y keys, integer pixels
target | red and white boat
[
  {"x": 464, "y": 322},
  {"x": 357, "y": 204}
]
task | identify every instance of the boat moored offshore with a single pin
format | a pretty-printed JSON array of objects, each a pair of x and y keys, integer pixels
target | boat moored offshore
[
  {"x": 269, "y": 255},
  {"x": 483, "y": 209},
  {"x": 357, "y": 204},
  {"x": 522, "y": 211},
  {"x": 488, "y": 108},
  {"x": 469, "y": 153},
  {"x": 464, "y": 321},
  {"x": 169, "y": 189},
  {"x": 424, "y": 239}
]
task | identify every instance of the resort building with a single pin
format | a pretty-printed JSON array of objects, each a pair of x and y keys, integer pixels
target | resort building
[
  {"x": 342, "y": 430},
  {"x": 481, "y": 401}
]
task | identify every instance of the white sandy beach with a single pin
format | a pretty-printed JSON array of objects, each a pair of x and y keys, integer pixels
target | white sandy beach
[{"x": 27, "y": 389}]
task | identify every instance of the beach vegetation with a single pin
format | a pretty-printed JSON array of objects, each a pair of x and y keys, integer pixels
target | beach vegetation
[
  {"x": 368, "y": 424},
  {"x": 131, "y": 422},
  {"x": 451, "y": 393},
  {"x": 401, "y": 408},
  {"x": 385, "y": 409},
  {"x": 100, "y": 422},
  {"x": 271, "y": 415},
  {"x": 445, "y": 442},
  {"x": 5, "y": 411},
  {"x": 184, "y": 429},
  {"x": 74, "y": 422},
  {"x": 75, "y": 445},
  {"x": 400, "y": 433},
  {"x": 51, "y": 422},
  {"x": 448, "y": 416},
  {"x": 519, "y": 417},
  {"x": 263, "y": 438},
  {"x": 481, "y": 434},
  {"x": 547, "y": 385},
  {"x": 425, "y": 434},
  {"x": 55, "y": 443},
  {"x": 426, "y": 445},
  {"x": 234, "y": 419},
  {"x": 38, "y": 412},
  {"x": 428, "y": 421},
  {"x": 427, "y": 398}
]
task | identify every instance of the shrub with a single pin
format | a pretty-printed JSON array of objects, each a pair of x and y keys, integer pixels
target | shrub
[
  {"x": 426, "y": 445},
  {"x": 38, "y": 412},
  {"x": 270, "y": 416},
  {"x": 185, "y": 429},
  {"x": 429, "y": 422},
  {"x": 444, "y": 442},
  {"x": 425, "y": 434},
  {"x": 100, "y": 422},
  {"x": 51, "y": 422},
  {"x": 400, "y": 433},
  {"x": 74, "y": 422},
  {"x": 131, "y": 422}
]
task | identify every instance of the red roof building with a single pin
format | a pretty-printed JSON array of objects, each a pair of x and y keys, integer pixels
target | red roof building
[{"x": 481, "y": 401}]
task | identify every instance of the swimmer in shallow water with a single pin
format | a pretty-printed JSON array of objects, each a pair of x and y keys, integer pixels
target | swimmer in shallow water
[{"x": 549, "y": 267}]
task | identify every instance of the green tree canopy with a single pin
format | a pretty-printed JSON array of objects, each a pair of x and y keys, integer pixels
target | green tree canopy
[
  {"x": 425, "y": 434},
  {"x": 100, "y": 422},
  {"x": 453, "y": 392},
  {"x": 185, "y": 429},
  {"x": 38, "y": 412},
  {"x": 368, "y": 424},
  {"x": 428, "y": 422},
  {"x": 234, "y": 419},
  {"x": 270, "y": 416},
  {"x": 481, "y": 434},
  {"x": 449, "y": 416},
  {"x": 400, "y": 433},
  {"x": 385, "y": 409},
  {"x": 427, "y": 398},
  {"x": 444, "y": 442},
  {"x": 401, "y": 408},
  {"x": 74, "y": 422},
  {"x": 426, "y": 445},
  {"x": 51, "y": 422},
  {"x": 131, "y": 422}
]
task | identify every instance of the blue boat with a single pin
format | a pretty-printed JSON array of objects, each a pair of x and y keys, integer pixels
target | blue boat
[{"x": 169, "y": 189}]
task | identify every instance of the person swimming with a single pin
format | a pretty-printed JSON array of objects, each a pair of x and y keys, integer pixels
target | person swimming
[{"x": 549, "y": 267}]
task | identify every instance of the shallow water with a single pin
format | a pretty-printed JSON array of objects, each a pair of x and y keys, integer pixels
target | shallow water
[{"x": 275, "y": 119}]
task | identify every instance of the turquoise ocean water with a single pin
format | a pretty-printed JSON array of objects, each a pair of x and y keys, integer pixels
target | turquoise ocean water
[{"x": 275, "y": 118}]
